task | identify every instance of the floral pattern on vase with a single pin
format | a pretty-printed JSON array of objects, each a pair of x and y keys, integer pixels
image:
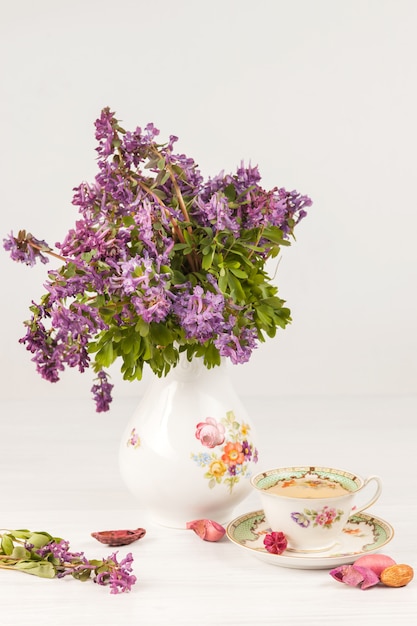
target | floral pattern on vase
[
  {"x": 134, "y": 439},
  {"x": 187, "y": 452},
  {"x": 230, "y": 461}
]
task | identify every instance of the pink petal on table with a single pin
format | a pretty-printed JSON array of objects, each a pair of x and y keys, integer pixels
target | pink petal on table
[
  {"x": 206, "y": 529},
  {"x": 369, "y": 577},
  {"x": 354, "y": 575}
]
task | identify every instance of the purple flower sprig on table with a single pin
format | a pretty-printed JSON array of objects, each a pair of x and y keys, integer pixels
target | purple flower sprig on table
[
  {"x": 159, "y": 262},
  {"x": 41, "y": 554}
]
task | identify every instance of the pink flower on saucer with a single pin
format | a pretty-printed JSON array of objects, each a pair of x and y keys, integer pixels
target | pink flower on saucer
[
  {"x": 275, "y": 542},
  {"x": 210, "y": 432}
]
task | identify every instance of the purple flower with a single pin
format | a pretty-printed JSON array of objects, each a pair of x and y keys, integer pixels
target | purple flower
[
  {"x": 101, "y": 391},
  {"x": 118, "y": 575},
  {"x": 25, "y": 248},
  {"x": 135, "y": 144},
  {"x": 247, "y": 450},
  {"x": 100, "y": 243},
  {"x": 47, "y": 353},
  {"x": 200, "y": 313},
  {"x": 66, "y": 342},
  {"x": 143, "y": 280},
  {"x": 216, "y": 211},
  {"x": 300, "y": 519},
  {"x": 109, "y": 571},
  {"x": 237, "y": 347},
  {"x": 59, "y": 550},
  {"x": 247, "y": 177},
  {"x": 105, "y": 132}
]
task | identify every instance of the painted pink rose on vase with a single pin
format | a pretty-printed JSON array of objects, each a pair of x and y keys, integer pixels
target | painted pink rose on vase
[{"x": 210, "y": 432}]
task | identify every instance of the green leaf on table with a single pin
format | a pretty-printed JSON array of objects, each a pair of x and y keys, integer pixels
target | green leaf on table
[
  {"x": 21, "y": 533},
  {"x": 39, "y": 539},
  {"x": 7, "y": 545},
  {"x": 82, "y": 574},
  {"x": 19, "y": 552},
  {"x": 43, "y": 569}
]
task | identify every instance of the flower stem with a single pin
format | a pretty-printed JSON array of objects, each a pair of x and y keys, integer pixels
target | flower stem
[{"x": 47, "y": 251}]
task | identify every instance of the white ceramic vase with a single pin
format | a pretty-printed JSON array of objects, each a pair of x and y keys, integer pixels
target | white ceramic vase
[{"x": 188, "y": 451}]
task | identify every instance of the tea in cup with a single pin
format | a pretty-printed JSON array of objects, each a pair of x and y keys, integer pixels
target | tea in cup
[{"x": 310, "y": 504}]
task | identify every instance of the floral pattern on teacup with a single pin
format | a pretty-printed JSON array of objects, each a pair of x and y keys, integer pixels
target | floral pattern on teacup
[
  {"x": 325, "y": 517},
  {"x": 230, "y": 461}
]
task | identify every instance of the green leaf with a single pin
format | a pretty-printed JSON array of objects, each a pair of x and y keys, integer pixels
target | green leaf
[
  {"x": 263, "y": 316},
  {"x": 128, "y": 220},
  {"x": 126, "y": 345},
  {"x": 142, "y": 328},
  {"x": 274, "y": 234},
  {"x": 211, "y": 356},
  {"x": 7, "y": 545},
  {"x": 239, "y": 273},
  {"x": 207, "y": 260},
  {"x": 106, "y": 355},
  {"x": 82, "y": 575},
  {"x": 160, "y": 334},
  {"x": 274, "y": 302},
  {"x": 106, "y": 311},
  {"x": 235, "y": 286},
  {"x": 178, "y": 277},
  {"x": 230, "y": 192},
  {"x": 162, "y": 177},
  {"x": 44, "y": 569},
  {"x": 20, "y": 534},
  {"x": 159, "y": 194},
  {"x": 19, "y": 552},
  {"x": 222, "y": 282},
  {"x": 188, "y": 238},
  {"x": 39, "y": 539}
]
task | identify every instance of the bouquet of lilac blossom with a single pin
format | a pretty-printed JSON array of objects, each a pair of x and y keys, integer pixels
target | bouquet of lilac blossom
[{"x": 160, "y": 262}]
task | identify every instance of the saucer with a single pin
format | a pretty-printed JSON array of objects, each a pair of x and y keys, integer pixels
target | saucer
[{"x": 363, "y": 534}]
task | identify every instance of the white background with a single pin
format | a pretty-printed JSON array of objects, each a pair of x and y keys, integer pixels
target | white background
[{"x": 320, "y": 94}]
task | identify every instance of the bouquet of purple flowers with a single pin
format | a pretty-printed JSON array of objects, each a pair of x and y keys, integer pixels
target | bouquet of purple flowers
[{"x": 159, "y": 262}]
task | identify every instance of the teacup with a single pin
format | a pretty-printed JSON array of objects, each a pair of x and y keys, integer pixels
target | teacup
[{"x": 311, "y": 504}]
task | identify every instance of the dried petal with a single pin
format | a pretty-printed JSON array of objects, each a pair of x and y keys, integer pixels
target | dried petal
[
  {"x": 369, "y": 577},
  {"x": 355, "y": 575},
  {"x": 375, "y": 562},
  {"x": 338, "y": 572},
  {"x": 346, "y": 574},
  {"x": 119, "y": 537},
  {"x": 206, "y": 529},
  {"x": 275, "y": 542}
]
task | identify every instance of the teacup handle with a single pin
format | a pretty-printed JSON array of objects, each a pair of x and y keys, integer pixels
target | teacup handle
[{"x": 375, "y": 496}]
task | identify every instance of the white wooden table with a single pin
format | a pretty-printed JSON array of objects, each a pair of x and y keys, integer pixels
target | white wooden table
[{"x": 59, "y": 473}]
